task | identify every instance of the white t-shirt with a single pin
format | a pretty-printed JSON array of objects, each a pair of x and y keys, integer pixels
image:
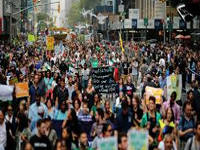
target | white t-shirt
[
  {"x": 134, "y": 68},
  {"x": 161, "y": 146},
  {"x": 3, "y": 135},
  {"x": 162, "y": 62},
  {"x": 85, "y": 74}
]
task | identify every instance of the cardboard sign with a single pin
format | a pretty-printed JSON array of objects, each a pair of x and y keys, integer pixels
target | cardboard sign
[
  {"x": 13, "y": 81},
  {"x": 156, "y": 92},
  {"x": 22, "y": 90},
  {"x": 174, "y": 83},
  {"x": 50, "y": 43},
  {"x": 107, "y": 143},
  {"x": 138, "y": 140}
]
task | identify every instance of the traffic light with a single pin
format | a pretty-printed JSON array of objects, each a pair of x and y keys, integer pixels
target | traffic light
[{"x": 59, "y": 8}]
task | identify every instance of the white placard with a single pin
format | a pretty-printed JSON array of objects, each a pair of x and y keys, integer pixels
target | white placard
[
  {"x": 134, "y": 14},
  {"x": 127, "y": 23},
  {"x": 195, "y": 23},
  {"x": 188, "y": 25},
  {"x": 121, "y": 8},
  {"x": 176, "y": 21},
  {"x": 140, "y": 24},
  {"x": 6, "y": 93},
  {"x": 151, "y": 24}
]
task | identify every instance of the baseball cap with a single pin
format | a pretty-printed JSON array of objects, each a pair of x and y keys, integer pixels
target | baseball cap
[{"x": 40, "y": 110}]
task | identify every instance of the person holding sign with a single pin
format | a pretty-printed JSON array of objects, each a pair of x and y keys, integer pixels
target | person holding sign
[
  {"x": 122, "y": 141},
  {"x": 150, "y": 120}
]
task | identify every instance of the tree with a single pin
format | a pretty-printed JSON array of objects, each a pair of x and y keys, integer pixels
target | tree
[
  {"x": 42, "y": 16},
  {"x": 74, "y": 16}
]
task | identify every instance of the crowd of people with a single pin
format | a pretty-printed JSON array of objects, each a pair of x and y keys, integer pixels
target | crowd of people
[{"x": 83, "y": 115}]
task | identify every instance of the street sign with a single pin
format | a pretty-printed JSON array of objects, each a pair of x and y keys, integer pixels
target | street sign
[
  {"x": 121, "y": 8},
  {"x": 134, "y": 13},
  {"x": 134, "y": 23},
  {"x": 158, "y": 24},
  {"x": 145, "y": 21},
  {"x": 127, "y": 23}
]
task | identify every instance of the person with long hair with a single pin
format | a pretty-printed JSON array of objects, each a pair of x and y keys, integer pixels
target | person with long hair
[
  {"x": 77, "y": 107},
  {"x": 61, "y": 113},
  {"x": 89, "y": 94},
  {"x": 109, "y": 115},
  {"x": 51, "y": 109},
  {"x": 120, "y": 86},
  {"x": 137, "y": 111},
  {"x": 48, "y": 81},
  {"x": 23, "y": 132},
  {"x": 167, "y": 124},
  {"x": 75, "y": 92},
  {"x": 96, "y": 105},
  {"x": 72, "y": 122}
]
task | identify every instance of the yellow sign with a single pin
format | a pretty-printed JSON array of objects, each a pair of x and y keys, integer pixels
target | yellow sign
[
  {"x": 13, "y": 81},
  {"x": 22, "y": 90},
  {"x": 31, "y": 38},
  {"x": 156, "y": 92},
  {"x": 50, "y": 43}
]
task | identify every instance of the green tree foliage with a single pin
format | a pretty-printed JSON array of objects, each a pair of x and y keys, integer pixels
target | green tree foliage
[
  {"x": 74, "y": 15},
  {"x": 42, "y": 16}
]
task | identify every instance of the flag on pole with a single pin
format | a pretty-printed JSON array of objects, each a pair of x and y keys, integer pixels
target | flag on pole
[{"x": 121, "y": 42}]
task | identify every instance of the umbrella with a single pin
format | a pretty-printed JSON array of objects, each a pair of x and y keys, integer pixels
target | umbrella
[
  {"x": 187, "y": 37},
  {"x": 179, "y": 37}
]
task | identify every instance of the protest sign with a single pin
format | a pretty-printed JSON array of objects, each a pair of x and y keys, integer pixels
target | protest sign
[
  {"x": 156, "y": 92},
  {"x": 6, "y": 93},
  {"x": 31, "y": 38},
  {"x": 107, "y": 143},
  {"x": 47, "y": 67},
  {"x": 22, "y": 90},
  {"x": 50, "y": 43},
  {"x": 72, "y": 70},
  {"x": 174, "y": 83},
  {"x": 138, "y": 139},
  {"x": 102, "y": 79},
  {"x": 13, "y": 81},
  {"x": 23, "y": 70}
]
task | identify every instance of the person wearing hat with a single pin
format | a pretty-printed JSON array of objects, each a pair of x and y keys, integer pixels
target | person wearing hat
[
  {"x": 124, "y": 120},
  {"x": 37, "y": 111}
]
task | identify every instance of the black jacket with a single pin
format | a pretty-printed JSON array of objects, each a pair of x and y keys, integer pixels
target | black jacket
[{"x": 10, "y": 137}]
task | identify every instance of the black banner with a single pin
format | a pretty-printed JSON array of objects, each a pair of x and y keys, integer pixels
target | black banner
[{"x": 102, "y": 79}]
